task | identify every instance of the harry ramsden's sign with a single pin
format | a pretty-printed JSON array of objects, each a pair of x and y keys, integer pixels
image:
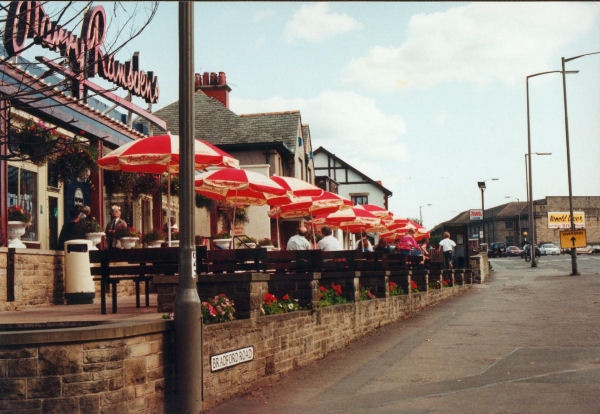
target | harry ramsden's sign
[
  {"x": 229, "y": 359},
  {"x": 562, "y": 219},
  {"x": 475, "y": 215},
  {"x": 28, "y": 20}
]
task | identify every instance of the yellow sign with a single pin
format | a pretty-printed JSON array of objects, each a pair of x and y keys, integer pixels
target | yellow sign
[
  {"x": 572, "y": 238},
  {"x": 562, "y": 219}
]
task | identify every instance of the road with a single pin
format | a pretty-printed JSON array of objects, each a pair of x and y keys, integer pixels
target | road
[{"x": 528, "y": 341}]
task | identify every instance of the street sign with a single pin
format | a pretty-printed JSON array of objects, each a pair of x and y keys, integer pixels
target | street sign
[{"x": 573, "y": 238}]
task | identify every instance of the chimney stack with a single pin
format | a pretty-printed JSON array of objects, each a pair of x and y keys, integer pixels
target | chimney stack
[{"x": 213, "y": 85}]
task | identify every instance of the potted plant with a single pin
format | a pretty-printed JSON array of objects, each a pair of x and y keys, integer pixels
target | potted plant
[
  {"x": 267, "y": 243},
  {"x": 153, "y": 239},
  {"x": 18, "y": 220},
  {"x": 93, "y": 231},
  {"x": 222, "y": 240},
  {"x": 128, "y": 236},
  {"x": 74, "y": 160}
]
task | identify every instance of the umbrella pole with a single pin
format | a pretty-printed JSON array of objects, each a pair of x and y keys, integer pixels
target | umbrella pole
[
  {"x": 278, "y": 233},
  {"x": 169, "y": 209},
  {"x": 233, "y": 226}
]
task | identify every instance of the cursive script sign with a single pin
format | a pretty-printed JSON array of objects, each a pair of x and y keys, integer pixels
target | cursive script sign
[{"x": 28, "y": 20}]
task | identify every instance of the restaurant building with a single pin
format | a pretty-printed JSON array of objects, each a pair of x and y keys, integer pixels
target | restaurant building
[{"x": 53, "y": 100}]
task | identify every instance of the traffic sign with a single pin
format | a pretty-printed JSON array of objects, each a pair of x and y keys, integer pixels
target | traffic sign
[{"x": 570, "y": 239}]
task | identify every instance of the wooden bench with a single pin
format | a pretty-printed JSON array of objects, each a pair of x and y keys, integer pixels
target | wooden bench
[
  {"x": 109, "y": 267},
  {"x": 230, "y": 261},
  {"x": 293, "y": 261}
]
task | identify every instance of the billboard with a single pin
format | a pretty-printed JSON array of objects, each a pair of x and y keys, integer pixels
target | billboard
[{"x": 562, "y": 219}]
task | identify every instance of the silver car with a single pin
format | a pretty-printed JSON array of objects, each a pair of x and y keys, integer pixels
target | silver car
[{"x": 549, "y": 248}]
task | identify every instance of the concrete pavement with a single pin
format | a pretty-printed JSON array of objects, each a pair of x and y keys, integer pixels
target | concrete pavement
[{"x": 528, "y": 341}]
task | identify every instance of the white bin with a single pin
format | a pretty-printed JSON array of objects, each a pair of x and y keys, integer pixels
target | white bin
[{"x": 79, "y": 285}]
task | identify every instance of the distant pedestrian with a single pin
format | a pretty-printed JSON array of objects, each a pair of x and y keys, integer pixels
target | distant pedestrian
[
  {"x": 73, "y": 229},
  {"x": 447, "y": 245},
  {"x": 113, "y": 225}
]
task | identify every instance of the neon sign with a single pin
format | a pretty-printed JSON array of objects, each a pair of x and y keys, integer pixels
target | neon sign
[{"x": 28, "y": 20}]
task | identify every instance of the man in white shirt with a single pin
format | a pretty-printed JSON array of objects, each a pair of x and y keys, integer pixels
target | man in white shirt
[
  {"x": 447, "y": 245},
  {"x": 299, "y": 241},
  {"x": 328, "y": 242}
]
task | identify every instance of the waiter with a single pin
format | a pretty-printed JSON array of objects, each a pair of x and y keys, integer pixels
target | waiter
[{"x": 115, "y": 223}]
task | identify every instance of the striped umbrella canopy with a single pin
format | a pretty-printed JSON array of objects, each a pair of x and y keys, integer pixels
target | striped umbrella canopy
[
  {"x": 240, "y": 187},
  {"x": 420, "y": 231},
  {"x": 296, "y": 187},
  {"x": 378, "y": 211},
  {"x": 160, "y": 154},
  {"x": 312, "y": 206}
]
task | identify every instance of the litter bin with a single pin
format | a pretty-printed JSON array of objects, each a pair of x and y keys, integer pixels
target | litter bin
[{"x": 79, "y": 285}]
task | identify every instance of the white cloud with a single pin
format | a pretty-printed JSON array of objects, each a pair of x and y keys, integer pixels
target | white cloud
[
  {"x": 346, "y": 123},
  {"x": 314, "y": 22},
  {"x": 477, "y": 43}
]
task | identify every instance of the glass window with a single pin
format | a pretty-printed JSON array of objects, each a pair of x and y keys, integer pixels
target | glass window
[
  {"x": 22, "y": 191},
  {"x": 508, "y": 225},
  {"x": 360, "y": 199}
]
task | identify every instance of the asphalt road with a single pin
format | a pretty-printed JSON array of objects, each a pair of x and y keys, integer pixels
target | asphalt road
[{"x": 527, "y": 341}]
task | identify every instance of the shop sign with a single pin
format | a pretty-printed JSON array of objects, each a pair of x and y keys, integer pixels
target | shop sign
[
  {"x": 229, "y": 359},
  {"x": 562, "y": 219},
  {"x": 28, "y": 20},
  {"x": 475, "y": 215}
]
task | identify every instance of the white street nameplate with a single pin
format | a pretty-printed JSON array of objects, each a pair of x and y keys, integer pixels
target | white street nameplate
[{"x": 231, "y": 358}]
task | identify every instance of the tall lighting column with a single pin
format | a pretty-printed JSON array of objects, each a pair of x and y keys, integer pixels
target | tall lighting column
[
  {"x": 481, "y": 185},
  {"x": 574, "y": 270},
  {"x": 421, "y": 211},
  {"x": 529, "y": 191},
  {"x": 530, "y": 209}
]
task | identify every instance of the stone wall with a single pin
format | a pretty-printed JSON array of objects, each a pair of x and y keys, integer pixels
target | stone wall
[
  {"x": 39, "y": 279},
  {"x": 129, "y": 367}
]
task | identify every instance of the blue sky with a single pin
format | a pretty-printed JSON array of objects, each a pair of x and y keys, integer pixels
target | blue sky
[{"x": 428, "y": 97}]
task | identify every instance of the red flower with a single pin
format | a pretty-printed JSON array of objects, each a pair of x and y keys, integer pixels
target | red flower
[
  {"x": 269, "y": 298},
  {"x": 337, "y": 288},
  {"x": 322, "y": 288},
  {"x": 285, "y": 297},
  {"x": 413, "y": 285},
  {"x": 393, "y": 285}
]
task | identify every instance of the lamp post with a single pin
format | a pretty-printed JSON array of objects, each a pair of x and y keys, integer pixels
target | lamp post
[
  {"x": 421, "y": 211},
  {"x": 529, "y": 191},
  {"x": 574, "y": 271},
  {"x": 481, "y": 185},
  {"x": 530, "y": 210},
  {"x": 518, "y": 217}
]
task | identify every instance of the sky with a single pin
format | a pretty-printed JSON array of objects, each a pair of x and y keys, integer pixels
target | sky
[{"x": 428, "y": 97}]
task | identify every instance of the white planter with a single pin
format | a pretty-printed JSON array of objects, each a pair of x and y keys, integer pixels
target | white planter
[
  {"x": 96, "y": 238},
  {"x": 128, "y": 242},
  {"x": 155, "y": 243},
  {"x": 223, "y": 243},
  {"x": 15, "y": 230}
]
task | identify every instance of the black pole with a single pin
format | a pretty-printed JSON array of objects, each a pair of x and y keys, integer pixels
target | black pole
[{"x": 188, "y": 308}]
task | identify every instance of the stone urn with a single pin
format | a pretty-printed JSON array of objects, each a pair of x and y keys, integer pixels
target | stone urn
[
  {"x": 15, "y": 230},
  {"x": 128, "y": 242},
  {"x": 223, "y": 243},
  {"x": 96, "y": 238}
]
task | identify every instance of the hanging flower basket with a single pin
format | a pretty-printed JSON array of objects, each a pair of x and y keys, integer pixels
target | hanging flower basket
[
  {"x": 75, "y": 160},
  {"x": 34, "y": 141}
]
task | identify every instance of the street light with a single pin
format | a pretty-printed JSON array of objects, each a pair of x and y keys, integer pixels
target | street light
[
  {"x": 421, "y": 211},
  {"x": 529, "y": 191},
  {"x": 574, "y": 271},
  {"x": 518, "y": 218},
  {"x": 530, "y": 210},
  {"x": 481, "y": 185}
]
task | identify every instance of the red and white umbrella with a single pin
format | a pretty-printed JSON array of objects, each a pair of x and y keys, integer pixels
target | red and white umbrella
[
  {"x": 296, "y": 187},
  {"x": 240, "y": 187},
  {"x": 312, "y": 206},
  {"x": 160, "y": 153},
  {"x": 399, "y": 231},
  {"x": 352, "y": 220},
  {"x": 377, "y": 211}
]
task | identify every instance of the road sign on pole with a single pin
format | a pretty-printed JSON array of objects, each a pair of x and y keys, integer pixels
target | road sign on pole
[{"x": 570, "y": 239}]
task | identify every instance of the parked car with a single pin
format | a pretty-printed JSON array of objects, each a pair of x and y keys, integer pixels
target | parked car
[
  {"x": 497, "y": 249},
  {"x": 513, "y": 251},
  {"x": 549, "y": 248},
  {"x": 585, "y": 250},
  {"x": 595, "y": 248}
]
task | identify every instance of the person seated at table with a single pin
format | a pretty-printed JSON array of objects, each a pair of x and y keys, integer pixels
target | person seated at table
[
  {"x": 407, "y": 244},
  {"x": 383, "y": 246},
  {"x": 328, "y": 242},
  {"x": 299, "y": 241},
  {"x": 364, "y": 245}
]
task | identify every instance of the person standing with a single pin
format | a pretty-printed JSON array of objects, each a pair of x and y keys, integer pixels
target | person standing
[
  {"x": 74, "y": 229},
  {"x": 114, "y": 224},
  {"x": 328, "y": 242},
  {"x": 447, "y": 245},
  {"x": 299, "y": 241}
]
